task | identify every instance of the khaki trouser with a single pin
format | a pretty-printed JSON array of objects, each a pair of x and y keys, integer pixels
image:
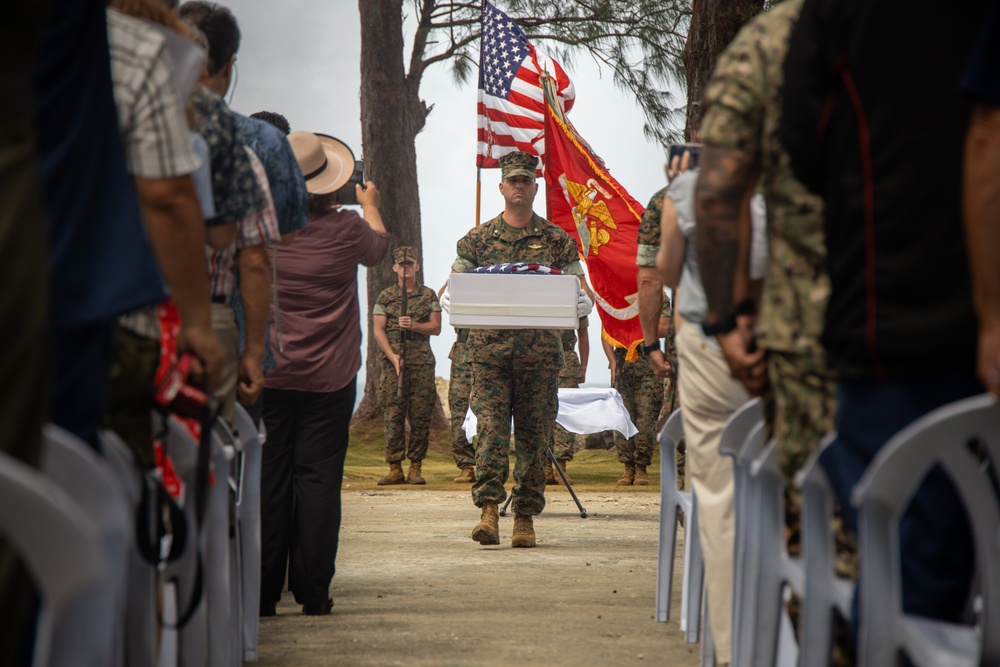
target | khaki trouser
[{"x": 709, "y": 395}]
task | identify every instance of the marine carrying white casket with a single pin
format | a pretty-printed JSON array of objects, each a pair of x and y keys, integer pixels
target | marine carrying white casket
[{"x": 512, "y": 301}]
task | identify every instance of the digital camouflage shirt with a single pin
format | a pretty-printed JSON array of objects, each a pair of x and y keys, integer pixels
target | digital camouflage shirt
[
  {"x": 495, "y": 242},
  {"x": 744, "y": 108},
  {"x": 649, "y": 245},
  {"x": 420, "y": 303}
]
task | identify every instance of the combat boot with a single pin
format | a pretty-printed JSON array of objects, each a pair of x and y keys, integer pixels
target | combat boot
[
  {"x": 487, "y": 531},
  {"x": 395, "y": 475},
  {"x": 629, "y": 477},
  {"x": 550, "y": 476},
  {"x": 569, "y": 480},
  {"x": 524, "y": 531},
  {"x": 468, "y": 475},
  {"x": 641, "y": 478},
  {"x": 413, "y": 476}
]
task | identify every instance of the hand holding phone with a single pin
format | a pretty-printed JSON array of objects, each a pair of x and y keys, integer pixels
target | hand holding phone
[
  {"x": 681, "y": 158},
  {"x": 347, "y": 194}
]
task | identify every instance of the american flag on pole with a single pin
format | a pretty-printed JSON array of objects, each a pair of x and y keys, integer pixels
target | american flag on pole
[{"x": 512, "y": 103}]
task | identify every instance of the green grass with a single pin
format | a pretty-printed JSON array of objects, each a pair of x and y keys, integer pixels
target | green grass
[{"x": 590, "y": 470}]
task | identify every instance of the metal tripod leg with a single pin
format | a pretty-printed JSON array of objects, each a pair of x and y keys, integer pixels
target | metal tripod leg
[{"x": 555, "y": 463}]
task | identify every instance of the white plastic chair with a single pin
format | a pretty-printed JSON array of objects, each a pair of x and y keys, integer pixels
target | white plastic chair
[
  {"x": 91, "y": 483},
  {"x": 186, "y": 646},
  {"x": 734, "y": 435},
  {"x": 63, "y": 550},
  {"x": 746, "y": 508},
  {"x": 769, "y": 568},
  {"x": 823, "y": 591},
  {"x": 672, "y": 503},
  {"x": 882, "y": 496},
  {"x": 248, "y": 517}
]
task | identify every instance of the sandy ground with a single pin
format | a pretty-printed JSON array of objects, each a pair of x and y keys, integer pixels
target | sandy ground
[{"x": 412, "y": 588}]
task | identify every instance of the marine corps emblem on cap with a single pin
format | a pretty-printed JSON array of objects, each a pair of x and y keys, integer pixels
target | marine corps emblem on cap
[
  {"x": 518, "y": 164},
  {"x": 405, "y": 253}
]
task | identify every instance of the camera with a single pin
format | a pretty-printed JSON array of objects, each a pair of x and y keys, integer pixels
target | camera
[
  {"x": 347, "y": 194},
  {"x": 678, "y": 150},
  {"x": 175, "y": 392}
]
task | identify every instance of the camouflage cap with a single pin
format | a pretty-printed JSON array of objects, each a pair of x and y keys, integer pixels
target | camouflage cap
[
  {"x": 518, "y": 164},
  {"x": 405, "y": 253}
]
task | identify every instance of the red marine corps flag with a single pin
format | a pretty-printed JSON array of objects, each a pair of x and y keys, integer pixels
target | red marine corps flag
[
  {"x": 512, "y": 104},
  {"x": 592, "y": 207}
]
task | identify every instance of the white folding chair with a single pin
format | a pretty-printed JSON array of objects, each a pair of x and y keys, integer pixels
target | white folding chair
[
  {"x": 248, "y": 517},
  {"x": 672, "y": 503},
  {"x": 734, "y": 435},
  {"x": 823, "y": 591},
  {"x": 63, "y": 550},
  {"x": 91, "y": 483},
  {"x": 939, "y": 438}
]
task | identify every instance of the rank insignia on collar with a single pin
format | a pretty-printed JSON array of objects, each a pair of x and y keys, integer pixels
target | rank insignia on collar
[{"x": 536, "y": 246}]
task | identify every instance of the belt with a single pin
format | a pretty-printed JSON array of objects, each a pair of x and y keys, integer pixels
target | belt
[
  {"x": 410, "y": 335},
  {"x": 220, "y": 298}
]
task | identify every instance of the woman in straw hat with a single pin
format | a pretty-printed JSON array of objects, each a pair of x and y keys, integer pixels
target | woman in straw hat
[{"x": 309, "y": 397}]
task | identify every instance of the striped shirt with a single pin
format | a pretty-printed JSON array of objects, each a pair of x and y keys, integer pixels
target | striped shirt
[
  {"x": 257, "y": 229},
  {"x": 151, "y": 119},
  {"x": 150, "y": 112}
]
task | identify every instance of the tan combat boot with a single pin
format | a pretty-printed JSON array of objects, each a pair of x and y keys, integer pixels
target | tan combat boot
[
  {"x": 395, "y": 475},
  {"x": 641, "y": 478},
  {"x": 629, "y": 477},
  {"x": 569, "y": 480},
  {"x": 487, "y": 531},
  {"x": 413, "y": 476},
  {"x": 468, "y": 475},
  {"x": 550, "y": 475},
  {"x": 524, "y": 531}
]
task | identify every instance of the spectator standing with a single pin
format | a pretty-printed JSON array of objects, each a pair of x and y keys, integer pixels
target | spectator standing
[
  {"x": 309, "y": 397},
  {"x": 900, "y": 328}
]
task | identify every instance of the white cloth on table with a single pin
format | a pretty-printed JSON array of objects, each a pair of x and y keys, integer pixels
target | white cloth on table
[{"x": 581, "y": 411}]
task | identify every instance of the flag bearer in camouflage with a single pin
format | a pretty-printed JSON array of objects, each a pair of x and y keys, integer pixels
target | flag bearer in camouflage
[
  {"x": 416, "y": 400},
  {"x": 459, "y": 388},
  {"x": 740, "y": 133},
  {"x": 641, "y": 382},
  {"x": 572, "y": 375},
  {"x": 515, "y": 373}
]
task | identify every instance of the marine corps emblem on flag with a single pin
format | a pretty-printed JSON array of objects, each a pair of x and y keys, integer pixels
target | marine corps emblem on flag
[{"x": 588, "y": 211}]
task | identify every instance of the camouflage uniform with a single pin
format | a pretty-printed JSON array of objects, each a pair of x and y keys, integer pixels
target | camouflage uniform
[
  {"x": 419, "y": 390},
  {"x": 515, "y": 372},
  {"x": 649, "y": 245},
  {"x": 642, "y": 393},
  {"x": 459, "y": 388},
  {"x": 743, "y": 113},
  {"x": 744, "y": 107},
  {"x": 563, "y": 442}
]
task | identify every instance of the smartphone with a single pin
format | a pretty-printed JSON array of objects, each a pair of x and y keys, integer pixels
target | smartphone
[
  {"x": 678, "y": 150},
  {"x": 347, "y": 194}
]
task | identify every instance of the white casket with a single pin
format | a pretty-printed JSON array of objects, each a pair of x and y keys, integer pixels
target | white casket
[{"x": 512, "y": 301}]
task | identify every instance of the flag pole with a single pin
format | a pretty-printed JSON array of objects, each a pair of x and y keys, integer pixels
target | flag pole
[{"x": 479, "y": 188}]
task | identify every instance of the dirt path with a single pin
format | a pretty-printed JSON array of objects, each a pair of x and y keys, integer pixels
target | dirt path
[{"x": 412, "y": 588}]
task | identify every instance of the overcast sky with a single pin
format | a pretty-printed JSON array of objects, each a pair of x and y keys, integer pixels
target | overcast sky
[{"x": 301, "y": 58}]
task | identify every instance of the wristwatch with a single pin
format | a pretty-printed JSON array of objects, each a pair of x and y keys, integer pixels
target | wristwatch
[
  {"x": 721, "y": 327},
  {"x": 652, "y": 347}
]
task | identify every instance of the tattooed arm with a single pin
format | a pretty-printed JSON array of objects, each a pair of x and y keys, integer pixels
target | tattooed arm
[{"x": 721, "y": 239}]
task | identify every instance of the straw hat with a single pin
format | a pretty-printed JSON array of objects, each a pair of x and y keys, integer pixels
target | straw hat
[{"x": 326, "y": 163}]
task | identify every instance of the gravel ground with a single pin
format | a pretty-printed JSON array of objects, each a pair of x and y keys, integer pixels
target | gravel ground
[{"x": 412, "y": 588}]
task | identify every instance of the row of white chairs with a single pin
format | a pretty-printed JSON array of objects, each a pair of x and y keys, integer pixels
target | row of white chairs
[
  {"x": 764, "y": 571},
  {"x": 73, "y": 522}
]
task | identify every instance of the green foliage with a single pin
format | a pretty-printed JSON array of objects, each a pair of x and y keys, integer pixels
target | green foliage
[{"x": 639, "y": 41}]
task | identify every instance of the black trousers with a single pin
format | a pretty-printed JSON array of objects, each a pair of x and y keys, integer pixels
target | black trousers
[{"x": 302, "y": 470}]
